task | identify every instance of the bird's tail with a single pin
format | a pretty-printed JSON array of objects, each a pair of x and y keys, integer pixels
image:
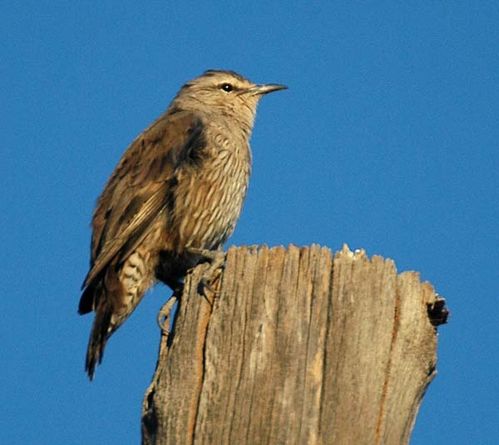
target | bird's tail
[
  {"x": 101, "y": 330},
  {"x": 95, "y": 298},
  {"x": 112, "y": 306}
]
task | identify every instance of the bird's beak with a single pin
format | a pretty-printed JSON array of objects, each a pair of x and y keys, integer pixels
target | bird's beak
[{"x": 260, "y": 90}]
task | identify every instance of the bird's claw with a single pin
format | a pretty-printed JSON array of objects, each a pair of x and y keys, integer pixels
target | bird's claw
[
  {"x": 215, "y": 260},
  {"x": 212, "y": 256},
  {"x": 207, "y": 280}
]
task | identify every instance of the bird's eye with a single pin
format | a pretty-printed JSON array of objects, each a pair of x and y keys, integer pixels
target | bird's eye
[{"x": 227, "y": 87}]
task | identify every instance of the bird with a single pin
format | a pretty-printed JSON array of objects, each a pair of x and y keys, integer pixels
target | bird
[{"x": 173, "y": 199}]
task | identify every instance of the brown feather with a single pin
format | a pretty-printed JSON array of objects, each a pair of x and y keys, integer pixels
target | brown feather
[
  {"x": 167, "y": 139},
  {"x": 179, "y": 186}
]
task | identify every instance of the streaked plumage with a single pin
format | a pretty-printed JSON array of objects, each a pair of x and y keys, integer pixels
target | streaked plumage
[{"x": 180, "y": 185}]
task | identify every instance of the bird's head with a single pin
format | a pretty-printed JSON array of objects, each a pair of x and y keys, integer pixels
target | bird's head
[{"x": 226, "y": 93}]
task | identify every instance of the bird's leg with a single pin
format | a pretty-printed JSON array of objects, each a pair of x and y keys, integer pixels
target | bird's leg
[
  {"x": 216, "y": 260},
  {"x": 164, "y": 314}
]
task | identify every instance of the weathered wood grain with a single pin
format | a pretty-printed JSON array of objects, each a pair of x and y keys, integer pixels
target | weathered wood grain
[{"x": 298, "y": 347}]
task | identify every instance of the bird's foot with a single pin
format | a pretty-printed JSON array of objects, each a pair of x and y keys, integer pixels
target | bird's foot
[
  {"x": 209, "y": 255},
  {"x": 215, "y": 260},
  {"x": 210, "y": 276}
]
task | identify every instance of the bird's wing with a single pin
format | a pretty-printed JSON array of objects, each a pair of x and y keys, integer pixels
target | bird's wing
[{"x": 140, "y": 187}]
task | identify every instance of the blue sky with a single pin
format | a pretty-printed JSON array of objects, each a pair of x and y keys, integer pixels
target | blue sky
[{"x": 387, "y": 140}]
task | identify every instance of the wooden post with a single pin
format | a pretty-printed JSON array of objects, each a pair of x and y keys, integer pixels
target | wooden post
[{"x": 297, "y": 347}]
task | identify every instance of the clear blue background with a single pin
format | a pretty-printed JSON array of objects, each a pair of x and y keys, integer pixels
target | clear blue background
[{"x": 387, "y": 139}]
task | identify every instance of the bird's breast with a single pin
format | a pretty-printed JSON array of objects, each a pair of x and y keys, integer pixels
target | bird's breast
[{"x": 209, "y": 196}]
